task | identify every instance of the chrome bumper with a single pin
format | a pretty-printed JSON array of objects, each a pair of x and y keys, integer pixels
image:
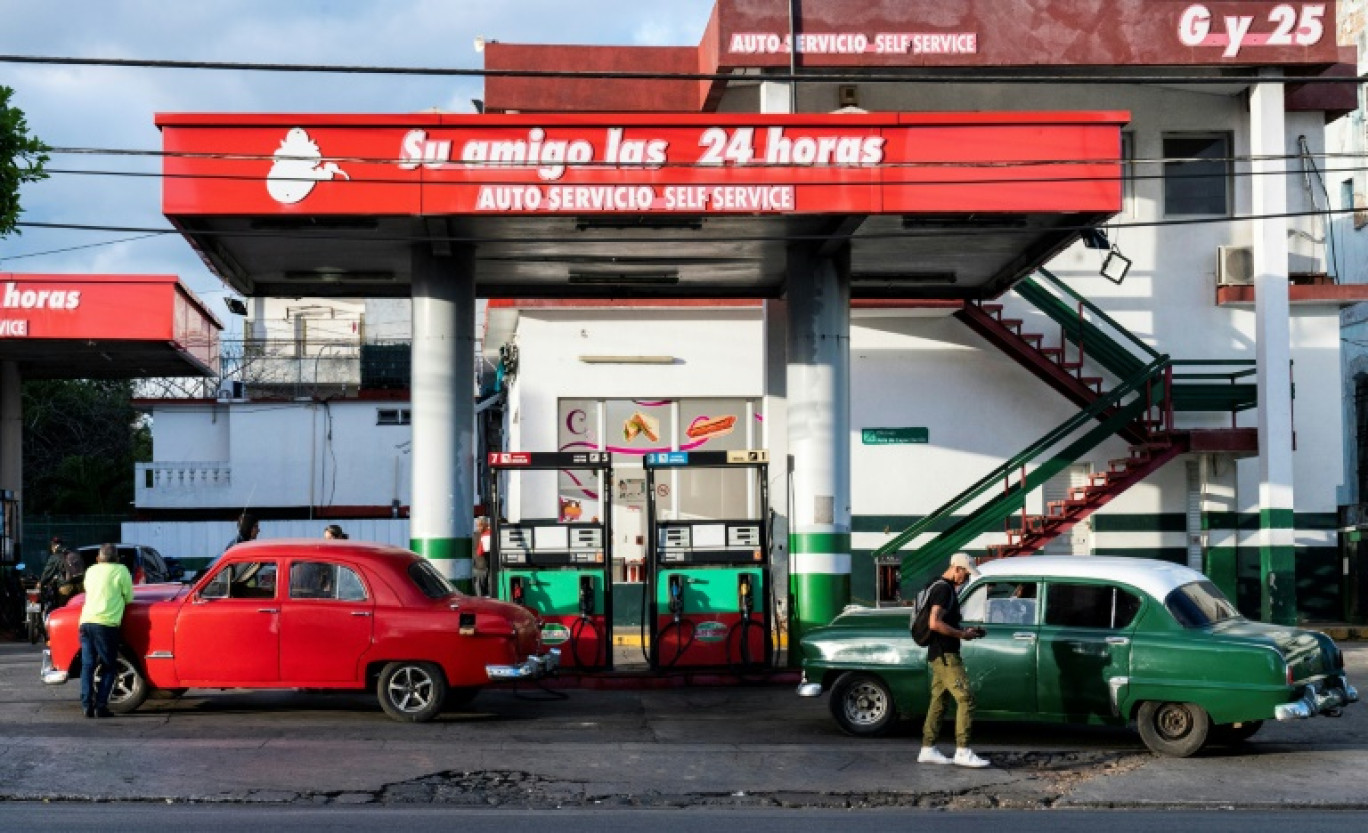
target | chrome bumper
[
  {"x": 529, "y": 669},
  {"x": 1318, "y": 698},
  {"x": 51, "y": 674},
  {"x": 807, "y": 689}
]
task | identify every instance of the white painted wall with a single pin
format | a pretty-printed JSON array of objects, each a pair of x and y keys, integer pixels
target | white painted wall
[
  {"x": 280, "y": 454},
  {"x": 196, "y": 541}
]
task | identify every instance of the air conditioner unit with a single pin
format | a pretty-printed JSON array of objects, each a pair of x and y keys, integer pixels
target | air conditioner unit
[
  {"x": 231, "y": 389},
  {"x": 1234, "y": 265}
]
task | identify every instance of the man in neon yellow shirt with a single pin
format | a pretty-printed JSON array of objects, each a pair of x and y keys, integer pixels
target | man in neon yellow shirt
[{"x": 108, "y": 588}]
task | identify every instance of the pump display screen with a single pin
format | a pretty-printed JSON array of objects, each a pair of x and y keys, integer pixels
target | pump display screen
[{"x": 709, "y": 542}]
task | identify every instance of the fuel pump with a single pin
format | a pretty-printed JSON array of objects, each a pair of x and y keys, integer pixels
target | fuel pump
[
  {"x": 708, "y": 580},
  {"x": 563, "y": 572}
]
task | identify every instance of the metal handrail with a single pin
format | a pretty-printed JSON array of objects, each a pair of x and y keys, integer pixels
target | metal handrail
[
  {"x": 1095, "y": 310},
  {"x": 1031, "y": 452}
]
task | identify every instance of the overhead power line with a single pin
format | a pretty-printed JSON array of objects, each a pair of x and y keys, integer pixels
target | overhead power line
[
  {"x": 883, "y": 76},
  {"x": 326, "y": 234}
]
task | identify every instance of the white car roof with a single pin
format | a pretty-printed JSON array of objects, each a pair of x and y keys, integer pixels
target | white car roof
[{"x": 1157, "y": 578}]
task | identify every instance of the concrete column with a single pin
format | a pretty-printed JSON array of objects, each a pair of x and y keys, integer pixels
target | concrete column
[
  {"x": 443, "y": 396},
  {"x": 777, "y": 98},
  {"x": 11, "y": 429},
  {"x": 12, "y": 451},
  {"x": 774, "y": 437},
  {"x": 1267, "y": 146},
  {"x": 819, "y": 436}
]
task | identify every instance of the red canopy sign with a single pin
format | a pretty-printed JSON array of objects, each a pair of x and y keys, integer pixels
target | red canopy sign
[
  {"x": 106, "y": 308},
  {"x": 677, "y": 164}
]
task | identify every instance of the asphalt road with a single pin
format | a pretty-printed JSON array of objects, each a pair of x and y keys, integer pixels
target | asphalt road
[
  {"x": 744, "y": 748},
  {"x": 80, "y": 818}
]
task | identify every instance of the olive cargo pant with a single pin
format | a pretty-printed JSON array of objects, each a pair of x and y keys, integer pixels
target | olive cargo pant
[{"x": 949, "y": 680}]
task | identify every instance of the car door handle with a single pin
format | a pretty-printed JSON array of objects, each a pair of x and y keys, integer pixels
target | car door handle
[
  {"x": 1118, "y": 640},
  {"x": 360, "y": 612},
  {"x": 1024, "y": 636},
  {"x": 268, "y": 610}
]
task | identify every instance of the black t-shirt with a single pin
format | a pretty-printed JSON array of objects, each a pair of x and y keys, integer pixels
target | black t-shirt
[{"x": 943, "y": 595}]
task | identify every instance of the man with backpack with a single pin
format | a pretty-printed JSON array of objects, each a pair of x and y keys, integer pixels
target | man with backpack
[
  {"x": 948, "y": 679},
  {"x": 62, "y": 575}
]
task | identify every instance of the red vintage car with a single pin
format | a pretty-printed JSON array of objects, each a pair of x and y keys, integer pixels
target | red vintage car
[{"x": 313, "y": 614}]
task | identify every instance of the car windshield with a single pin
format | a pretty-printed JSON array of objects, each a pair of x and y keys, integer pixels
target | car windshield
[
  {"x": 433, "y": 584},
  {"x": 1199, "y": 604}
]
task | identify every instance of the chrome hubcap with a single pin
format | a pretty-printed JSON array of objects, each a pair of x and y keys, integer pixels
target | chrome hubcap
[
  {"x": 865, "y": 704},
  {"x": 1173, "y": 721},
  {"x": 410, "y": 690},
  {"x": 123, "y": 681}
]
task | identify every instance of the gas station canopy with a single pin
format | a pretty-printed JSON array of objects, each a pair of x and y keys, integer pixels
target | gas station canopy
[
  {"x": 932, "y": 205},
  {"x": 105, "y": 327}
]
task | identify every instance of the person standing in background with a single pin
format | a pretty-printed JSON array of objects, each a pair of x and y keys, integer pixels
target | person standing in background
[
  {"x": 479, "y": 570},
  {"x": 108, "y": 589}
]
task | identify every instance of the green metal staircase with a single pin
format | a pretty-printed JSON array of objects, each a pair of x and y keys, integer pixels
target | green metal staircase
[{"x": 1140, "y": 407}]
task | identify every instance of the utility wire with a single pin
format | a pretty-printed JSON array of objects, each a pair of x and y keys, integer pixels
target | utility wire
[
  {"x": 325, "y": 233},
  {"x": 880, "y": 77},
  {"x": 600, "y": 164},
  {"x": 807, "y": 181}
]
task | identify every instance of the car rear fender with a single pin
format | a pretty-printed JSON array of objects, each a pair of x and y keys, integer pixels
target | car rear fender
[{"x": 1233, "y": 681}]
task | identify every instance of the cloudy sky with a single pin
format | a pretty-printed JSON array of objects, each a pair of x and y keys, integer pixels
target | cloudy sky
[{"x": 113, "y": 109}]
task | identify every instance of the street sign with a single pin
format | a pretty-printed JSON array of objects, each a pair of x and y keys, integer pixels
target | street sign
[{"x": 894, "y": 436}]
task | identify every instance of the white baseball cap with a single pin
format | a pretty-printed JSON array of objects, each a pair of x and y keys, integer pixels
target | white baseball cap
[{"x": 962, "y": 559}]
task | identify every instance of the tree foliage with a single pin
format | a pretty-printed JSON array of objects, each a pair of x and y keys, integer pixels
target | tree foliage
[
  {"x": 22, "y": 158},
  {"x": 81, "y": 440}
]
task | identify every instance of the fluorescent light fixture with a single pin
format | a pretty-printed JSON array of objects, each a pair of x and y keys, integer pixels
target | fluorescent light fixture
[
  {"x": 642, "y": 221},
  {"x": 1115, "y": 267},
  {"x": 627, "y": 359},
  {"x": 331, "y": 275},
  {"x": 903, "y": 277},
  {"x": 633, "y": 278},
  {"x": 963, "y": 221}
]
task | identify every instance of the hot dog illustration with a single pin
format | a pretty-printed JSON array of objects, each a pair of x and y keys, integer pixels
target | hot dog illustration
[{"x": 714, "y": 427}]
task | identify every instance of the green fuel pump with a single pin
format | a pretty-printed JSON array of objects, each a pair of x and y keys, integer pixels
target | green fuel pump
[
  {"x": 561, "y": 571},
  {"x": 708, "y": 581}
]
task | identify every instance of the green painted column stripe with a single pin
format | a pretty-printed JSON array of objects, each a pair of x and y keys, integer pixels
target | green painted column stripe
[
  {"x": 819, "y": 542},
  {"x": 817, "y": 599},
  {"x": 1274, "y": 518},
  {"x": 440, "y": 549}
]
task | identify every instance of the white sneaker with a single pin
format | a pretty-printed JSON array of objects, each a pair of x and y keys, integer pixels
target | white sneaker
[
  {"x": 966, "y": 757},
  {"x": 931, "y": 755}
]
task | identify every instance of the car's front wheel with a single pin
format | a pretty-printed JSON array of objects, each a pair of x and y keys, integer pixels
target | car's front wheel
[
  {"x": 863, "y": 705},
  {"x": 130, "y": 686},
  {"x": 1174, "y": 729},
  {"x": 412, "y": 692}
]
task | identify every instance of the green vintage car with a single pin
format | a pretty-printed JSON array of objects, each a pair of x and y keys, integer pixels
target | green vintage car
[{"x": 1088, "y": 640}]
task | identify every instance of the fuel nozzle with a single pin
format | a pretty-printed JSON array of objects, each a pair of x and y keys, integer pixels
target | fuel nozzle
[
  {"x": 516, "y": 591},
  {"x": 586, "y": 596},
  {"x": 677, "y": 596},
  {"x": 744, "y": 595}
]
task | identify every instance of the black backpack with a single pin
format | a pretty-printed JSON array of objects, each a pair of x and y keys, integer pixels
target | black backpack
[{"x": 921, "y": 615}]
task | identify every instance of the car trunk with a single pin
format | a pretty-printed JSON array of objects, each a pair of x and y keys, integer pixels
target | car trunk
[{"x": 1302, "y": 650}]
